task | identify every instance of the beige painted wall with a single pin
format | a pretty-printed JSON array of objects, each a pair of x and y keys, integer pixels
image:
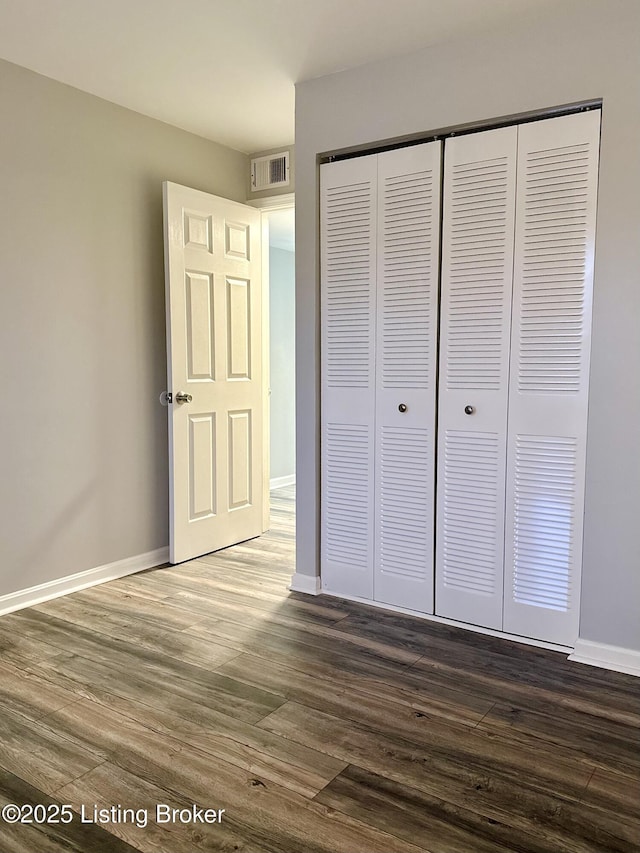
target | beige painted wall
[
  {"x": 571, "y": 52},
  {"x": 83, "y": 480}
]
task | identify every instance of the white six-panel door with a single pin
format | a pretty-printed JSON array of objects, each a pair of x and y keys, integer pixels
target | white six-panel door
[
  {"x": 548, "y": 396},
  {"x": 477, "y": 273},
  {"x": 213, "y": 292}
]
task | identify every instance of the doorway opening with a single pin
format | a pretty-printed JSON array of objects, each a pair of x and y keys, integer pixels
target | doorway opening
[
  {"x": 281, "y": 336},
  {"x": 219, "y": 255}
]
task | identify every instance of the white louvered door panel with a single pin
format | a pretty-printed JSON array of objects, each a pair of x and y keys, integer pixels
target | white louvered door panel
[
  {"x": 407, "y": 315},
  {"x": 348, "y": 310},
  {"x": 477, "y": 271},
  {"x": 553, "y": 280}
]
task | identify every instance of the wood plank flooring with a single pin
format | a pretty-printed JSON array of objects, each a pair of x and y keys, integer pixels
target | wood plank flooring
[{"x": 320, "y": 726}]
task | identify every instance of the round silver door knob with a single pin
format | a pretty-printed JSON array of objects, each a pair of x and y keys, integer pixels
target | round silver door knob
[
  {"x": 183, "y": 398},
  {"x": 469, "y": 410},
  {"x": 402, "y": 407}
]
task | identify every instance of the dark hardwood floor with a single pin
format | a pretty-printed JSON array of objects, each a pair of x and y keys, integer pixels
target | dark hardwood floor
[{"x": 319, "y": 726}]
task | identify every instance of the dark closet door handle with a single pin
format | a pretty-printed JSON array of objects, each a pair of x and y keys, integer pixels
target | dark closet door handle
[{"x": 402, "y": 407}]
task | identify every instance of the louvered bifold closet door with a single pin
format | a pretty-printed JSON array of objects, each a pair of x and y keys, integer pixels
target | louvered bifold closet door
[
  {"x": 477, "y": 270},
  {"x": 407, "y": 316},
  {"x": 553, "y": 280},
  {"x": 348, "y": 306}
]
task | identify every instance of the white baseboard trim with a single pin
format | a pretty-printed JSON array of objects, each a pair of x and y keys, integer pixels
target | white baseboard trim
[
  {"x": 280, "y": 482},
  {"x": 616, "y": 658},
  {"x": 305, "y": 583},
  {"x": 443, "y": 620},
  {"x": 81, "y": 580}
]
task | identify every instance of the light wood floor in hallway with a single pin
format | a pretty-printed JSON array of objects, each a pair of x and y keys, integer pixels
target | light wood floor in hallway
[{"x": 318, "y": 725}]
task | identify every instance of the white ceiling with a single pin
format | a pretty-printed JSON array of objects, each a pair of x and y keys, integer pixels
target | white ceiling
[{"x": 225, "y": 69}]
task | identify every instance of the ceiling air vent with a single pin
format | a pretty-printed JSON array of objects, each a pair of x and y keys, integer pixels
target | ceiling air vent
[{"x": 270, "y": 171}]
